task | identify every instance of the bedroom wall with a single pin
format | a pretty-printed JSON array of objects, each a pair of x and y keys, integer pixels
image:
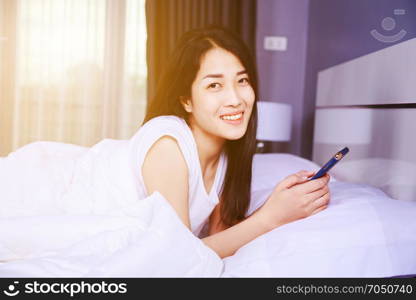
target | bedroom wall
[
  {"x": 282, "y": 74},
  {"x": 320, "y": 34}
]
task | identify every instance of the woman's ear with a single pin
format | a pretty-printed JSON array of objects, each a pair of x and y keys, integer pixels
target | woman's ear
[{"x": 186, "y": 103}]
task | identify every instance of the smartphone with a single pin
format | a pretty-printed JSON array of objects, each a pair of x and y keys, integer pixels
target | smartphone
[{"x": 332, "y": 162}]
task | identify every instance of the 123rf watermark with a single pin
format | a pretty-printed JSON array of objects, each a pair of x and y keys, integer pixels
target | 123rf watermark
[{"x": 71, "y": 289}]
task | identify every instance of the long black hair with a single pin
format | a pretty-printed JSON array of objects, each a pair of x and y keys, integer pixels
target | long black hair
[{"x": 176, "y": 81}]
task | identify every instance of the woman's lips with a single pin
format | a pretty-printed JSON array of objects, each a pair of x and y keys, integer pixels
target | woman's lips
[{"x": 234, "y": 119}]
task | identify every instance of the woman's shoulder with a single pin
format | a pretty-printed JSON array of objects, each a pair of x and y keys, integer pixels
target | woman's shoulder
[
  {"x": 158, "y": 126},
  {"x": 154, "y": 130},
  {"x": 165, "y": 121}
]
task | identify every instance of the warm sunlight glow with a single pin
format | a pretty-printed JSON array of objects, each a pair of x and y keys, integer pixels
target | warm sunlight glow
[
  {"x": 80, "y": 70},
  {"x": 66, "y": 34}
]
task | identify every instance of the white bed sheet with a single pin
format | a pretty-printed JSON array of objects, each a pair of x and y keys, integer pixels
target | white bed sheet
[{"x": 363, "y": 233}]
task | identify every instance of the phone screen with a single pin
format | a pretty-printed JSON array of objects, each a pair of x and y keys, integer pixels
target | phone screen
[{"x": 332, "y": 162}]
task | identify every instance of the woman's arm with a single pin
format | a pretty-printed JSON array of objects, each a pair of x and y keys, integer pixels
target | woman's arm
[
  {"x": 226, "y": 241},
  {"x": 215, "y": 224},
  {"x": 164, "y": 169},
  {"x": 292, "y": 199}
]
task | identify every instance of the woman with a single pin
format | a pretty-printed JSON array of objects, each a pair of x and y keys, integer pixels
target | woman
[{"x": 200, "y": 143}]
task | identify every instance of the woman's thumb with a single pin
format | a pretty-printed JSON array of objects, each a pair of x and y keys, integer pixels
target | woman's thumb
[
  {"x": 305, "y": 174},
  {"x": 294, "y": 179}
]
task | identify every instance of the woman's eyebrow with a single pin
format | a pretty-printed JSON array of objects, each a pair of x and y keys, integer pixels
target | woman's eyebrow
[{"x": 220, "y": 75}]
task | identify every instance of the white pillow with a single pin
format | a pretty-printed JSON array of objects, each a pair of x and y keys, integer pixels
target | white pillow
[
  {"x": 395, "y": 177},
  {"x": 362, "y": 233},
  {"x": 270, "y": 168}
]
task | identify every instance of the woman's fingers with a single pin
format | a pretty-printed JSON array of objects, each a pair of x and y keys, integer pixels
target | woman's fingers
[
  {"x": 312, "y": 185},
  {"x": 305, "y": 173},
  {"x": 317, "y": 194},
  {"x": 319, "y": 202},
  {"x": 319, "y": 209},
  {"x": 294, "y": 179}
]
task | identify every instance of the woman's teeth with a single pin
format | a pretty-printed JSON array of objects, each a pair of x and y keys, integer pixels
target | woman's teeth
[{"x": 233, "y": 117}]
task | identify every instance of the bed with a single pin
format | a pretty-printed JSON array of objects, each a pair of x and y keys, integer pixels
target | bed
[
  {"x": 363, "y": 233},
  {"x": 368, "y": 230}
]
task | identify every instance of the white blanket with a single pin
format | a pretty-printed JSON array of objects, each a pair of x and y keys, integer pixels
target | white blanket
[{"x": 69, "y": 211}]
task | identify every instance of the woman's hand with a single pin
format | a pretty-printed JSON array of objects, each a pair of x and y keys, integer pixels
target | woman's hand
[{"x": 294, "y": 198}]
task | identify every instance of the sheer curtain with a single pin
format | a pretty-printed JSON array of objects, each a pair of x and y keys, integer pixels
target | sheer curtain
[{"x": 72, "y": 71}]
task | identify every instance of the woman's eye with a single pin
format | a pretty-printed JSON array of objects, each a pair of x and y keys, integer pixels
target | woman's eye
[
  {"x": 213, "y": 85},
  {"x": 244, "y": 80}
]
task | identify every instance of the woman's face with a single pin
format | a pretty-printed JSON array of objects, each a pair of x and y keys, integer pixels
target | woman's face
[{"x": 222, "y": 97}]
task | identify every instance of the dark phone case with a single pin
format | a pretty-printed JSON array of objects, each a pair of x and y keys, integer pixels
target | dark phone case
[{"x": 332, "y": 162}]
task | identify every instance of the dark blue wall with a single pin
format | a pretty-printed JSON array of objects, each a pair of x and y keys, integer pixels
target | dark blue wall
[
  {"x": 282, "y": 74},
  {"x": 339, "y": 30},
  {"x": 321, "y": 34}
]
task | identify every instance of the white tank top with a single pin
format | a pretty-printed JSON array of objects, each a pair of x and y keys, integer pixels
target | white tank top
[{"x": 201, "y": 204}]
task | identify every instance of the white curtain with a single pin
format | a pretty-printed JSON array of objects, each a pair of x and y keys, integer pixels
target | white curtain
[{"x": 72, "y": 71}]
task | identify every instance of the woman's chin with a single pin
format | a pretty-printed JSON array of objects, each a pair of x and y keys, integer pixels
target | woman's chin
[{"x": 234, "y": 136}]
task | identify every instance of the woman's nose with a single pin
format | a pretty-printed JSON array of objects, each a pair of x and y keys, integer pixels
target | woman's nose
[{"x": 233, "y": 97}]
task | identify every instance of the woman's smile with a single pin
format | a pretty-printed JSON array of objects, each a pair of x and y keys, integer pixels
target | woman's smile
[
  {"x": 222, "y": 97},
  {"x": 233, "y": 119}
]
